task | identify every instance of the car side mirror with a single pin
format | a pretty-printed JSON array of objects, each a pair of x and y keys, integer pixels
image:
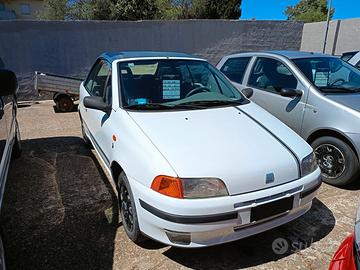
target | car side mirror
[
  {"x": 97, "y": 103},
  {"x": 8, "y": 83},
  {"x": 289, "y": 92},
  {"x": 247, "y": 92}
]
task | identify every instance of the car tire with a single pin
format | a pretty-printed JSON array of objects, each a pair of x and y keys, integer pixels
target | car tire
[
  {"x": 128, "y": 211},
  {"x": 337, "y": 160},
  {"x": 64, "y": 104},
  {"x": 17, "y": 149}
]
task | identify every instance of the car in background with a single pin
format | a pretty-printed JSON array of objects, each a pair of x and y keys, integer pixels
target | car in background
[
  {"x": 10, "y": 142},
  {"x": 352, "y": 58},
  {"x": 195, "y": 162},
  {"x": 347, "y": 257},
  {"x": 317, "y": 95}
]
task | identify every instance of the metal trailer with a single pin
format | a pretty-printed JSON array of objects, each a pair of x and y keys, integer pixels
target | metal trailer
[{"x": 65, "y": 89}]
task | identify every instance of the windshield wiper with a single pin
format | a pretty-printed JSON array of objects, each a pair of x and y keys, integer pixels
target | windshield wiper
[
  {"x": 337, "y": 89},
  {"x": 147, "y": 106},
  {"x": 159, "y": 106},
  {"x": 213, "y": 102}
]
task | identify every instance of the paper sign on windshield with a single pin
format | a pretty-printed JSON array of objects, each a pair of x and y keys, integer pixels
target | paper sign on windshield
[
  {"x": 321, "y": 78},
  {"x": 171, "y": 89}
]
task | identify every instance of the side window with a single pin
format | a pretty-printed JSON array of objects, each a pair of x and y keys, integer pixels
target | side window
[
  {"x": 234, "y": 68},
  {"x": 98, "y": 78},
  {"x": 90, "y": 79},
  {"x": 271, "y": 75},
  {"x": 358, "y": 65},
  {"x": 108, "y": 91}
]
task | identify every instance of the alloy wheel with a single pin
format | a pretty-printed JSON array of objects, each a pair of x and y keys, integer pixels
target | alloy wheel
[
  {"x": 126, "y": 208},
  {"x": 330, "y": 160}
]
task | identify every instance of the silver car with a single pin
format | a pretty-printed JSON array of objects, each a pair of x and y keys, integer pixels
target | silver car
[{"x": 317, "y": 95}]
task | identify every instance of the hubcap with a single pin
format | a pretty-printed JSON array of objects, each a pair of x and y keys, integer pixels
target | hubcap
[
  {"x": 330, "y": 160},
  {"x": 126, "y": 208},
  {"x": 65, "y": 104}
]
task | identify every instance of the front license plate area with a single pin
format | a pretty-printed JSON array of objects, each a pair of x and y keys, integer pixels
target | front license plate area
[{"x": 271, "y": 209}]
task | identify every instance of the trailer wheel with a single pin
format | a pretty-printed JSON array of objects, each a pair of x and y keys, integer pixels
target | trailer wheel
[{"x": 64, "y": 104}]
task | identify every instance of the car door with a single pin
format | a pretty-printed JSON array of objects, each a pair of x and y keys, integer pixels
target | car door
[
  {"x": 235, "y": 68},
  {"x": 3, "y": 138},
  {"x": 267, "y": 77},
  {"x": 96, "y": 121},
  {"x": 7, "y": 136}
]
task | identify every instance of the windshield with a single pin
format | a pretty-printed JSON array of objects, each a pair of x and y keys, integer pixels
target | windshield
[
  {"x": 330, "y": 74},
  {"x": 173, "y": 84}
]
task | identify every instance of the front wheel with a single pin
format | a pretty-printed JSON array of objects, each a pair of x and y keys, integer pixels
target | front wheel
[
  {"x": 128, "y": 210},
  {"x": 338, "y": 162}
]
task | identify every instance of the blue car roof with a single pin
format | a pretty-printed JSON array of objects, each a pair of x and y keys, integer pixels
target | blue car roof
[{"x": 112, "y": 56}]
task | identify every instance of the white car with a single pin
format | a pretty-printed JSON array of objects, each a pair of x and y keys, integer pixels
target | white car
[{"x": 195, "y": 162}]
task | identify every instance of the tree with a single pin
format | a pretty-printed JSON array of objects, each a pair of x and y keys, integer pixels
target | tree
[
  {"x": 134, "y": 10},
  {"x": 54, "y": 10},
  {"x": 216, "y": 9},
  {"x": 141, "y": 9},
  {"x": 309, "y": 11},
  {"x": 113, "y": 10},
  {"x": 90, "y": 10},
  {"x": 168, "y": 10},
  {"x": 199, "y": 9}
]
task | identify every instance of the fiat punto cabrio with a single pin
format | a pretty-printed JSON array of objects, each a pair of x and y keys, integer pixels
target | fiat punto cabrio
[{"x": 195, "y": 162}]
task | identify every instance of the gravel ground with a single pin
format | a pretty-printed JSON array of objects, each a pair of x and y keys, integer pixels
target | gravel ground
[{"x": 60, "y": 212}]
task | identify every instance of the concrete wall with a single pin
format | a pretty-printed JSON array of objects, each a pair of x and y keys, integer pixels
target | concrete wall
[
  {"x": 343, "y": 36},
  {"x": 69, "y": 48}
]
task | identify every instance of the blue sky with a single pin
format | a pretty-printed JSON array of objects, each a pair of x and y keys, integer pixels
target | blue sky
[{"x": 273, "y": 9}]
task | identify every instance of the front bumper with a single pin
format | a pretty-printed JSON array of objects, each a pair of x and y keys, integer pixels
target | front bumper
[{"x": 215, "y": 221}]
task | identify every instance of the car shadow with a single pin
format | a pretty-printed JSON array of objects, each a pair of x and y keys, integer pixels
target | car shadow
[
  {"x": 256, "y": 250},
  {"x": 56, "y": 110},
  {"x": 59, "y": 210},
  {"x": 352, "y": 186}
]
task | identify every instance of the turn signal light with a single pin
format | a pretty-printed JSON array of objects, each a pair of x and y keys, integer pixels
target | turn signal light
[{"x": 169, "y": 186}]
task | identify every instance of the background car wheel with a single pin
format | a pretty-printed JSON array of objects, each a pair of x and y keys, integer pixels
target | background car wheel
[
  {"x": 64, "y": 104},
  {"x": 338, "y": 162},
  {"x": 16, "y": 151},
  {"x": 128, "y": 210}
]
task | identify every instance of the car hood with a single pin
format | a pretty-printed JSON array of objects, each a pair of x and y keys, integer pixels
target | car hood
[
  {"x": 350, "y": 100},
  {"x": 225, "y": 143}
]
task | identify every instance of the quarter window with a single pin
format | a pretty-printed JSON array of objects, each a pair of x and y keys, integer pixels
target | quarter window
[
  {"x": 100, "y": 80},
  {"x": 234, "y": 68},
  {"x": 98, "y": 77},
  {"x": 271, "y": 75}
]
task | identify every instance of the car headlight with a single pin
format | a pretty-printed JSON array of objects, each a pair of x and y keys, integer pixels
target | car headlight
[
  {"x": 189, "y": 188},
  {"x": 308, "y": 164}
]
